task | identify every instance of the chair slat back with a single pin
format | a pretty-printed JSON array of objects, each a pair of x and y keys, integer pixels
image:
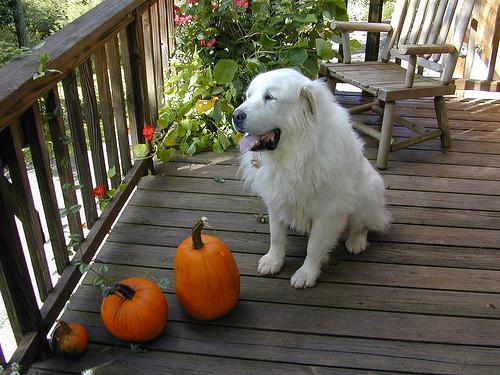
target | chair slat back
[
  {"x": 446, "y": 25},
  {"x": 397, "y": 21},
  {"x": 416, "y": 26},
  {"x": 437, "y": 22},
  {"x": 409, "y": 17},
  {"x": 429, "y": 22}
]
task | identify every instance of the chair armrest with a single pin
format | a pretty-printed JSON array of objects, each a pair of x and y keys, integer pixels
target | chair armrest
[
  {"x": 413, "y": 50},
  {"x": 361, "y": 26},
  {"x": 423, "y": 49}
]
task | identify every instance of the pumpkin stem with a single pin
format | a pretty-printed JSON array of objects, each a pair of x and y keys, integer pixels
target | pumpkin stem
[
  {"x": 196, "y": 234},
  {"x": 64, "y": 326},
  {"x": 122, "y": 290}
]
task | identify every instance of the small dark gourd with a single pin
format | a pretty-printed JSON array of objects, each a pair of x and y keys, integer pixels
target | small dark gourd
[{"x": 69, "y": 339}]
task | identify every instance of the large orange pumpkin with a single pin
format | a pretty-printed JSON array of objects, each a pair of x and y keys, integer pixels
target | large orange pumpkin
[
  {"x": 134, "y": 309},
  {"x": 69, "y": 339},
  {"x": 207, "y": 281}
]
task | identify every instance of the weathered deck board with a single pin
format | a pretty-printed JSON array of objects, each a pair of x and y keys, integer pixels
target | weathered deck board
[
  {"x": 314, "y": 349},
  {"x": 423, "y": 298},
  {"x": 363, "y": 289},
  {"x": 397, "y": 167}
]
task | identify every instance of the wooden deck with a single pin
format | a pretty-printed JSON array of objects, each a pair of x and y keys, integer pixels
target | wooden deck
[{"x": 424, "y": 298}]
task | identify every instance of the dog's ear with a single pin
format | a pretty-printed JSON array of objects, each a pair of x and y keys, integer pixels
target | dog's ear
[{"x": 307, "y": 97}]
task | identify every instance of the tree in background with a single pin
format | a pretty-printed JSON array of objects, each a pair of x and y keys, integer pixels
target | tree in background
[
  {"x": 26, "y": 22},
  {"x": 16, "y": 7},
  {"x": 358, "y": 9}
]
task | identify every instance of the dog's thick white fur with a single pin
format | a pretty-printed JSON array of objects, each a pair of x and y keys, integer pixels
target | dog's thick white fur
[{"x": 316, "y": 180}]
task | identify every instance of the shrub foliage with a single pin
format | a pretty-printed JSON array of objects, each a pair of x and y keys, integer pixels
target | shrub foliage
[{"x": 220, "y": 46}]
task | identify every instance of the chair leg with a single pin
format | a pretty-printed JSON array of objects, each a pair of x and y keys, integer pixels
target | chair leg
[
  {"x": 332, "y": 82},
  {"x": 442, "y": 120},
  {"x": 386, "y": 135}
]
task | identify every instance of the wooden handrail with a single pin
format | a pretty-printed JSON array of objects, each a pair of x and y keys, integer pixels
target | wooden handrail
[
  {"x": 121, "y": 59},
  {"x": 68, "y": 48}
]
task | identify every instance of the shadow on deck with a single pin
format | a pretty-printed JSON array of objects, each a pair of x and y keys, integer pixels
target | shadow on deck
[{"x": 423, "y": 298}]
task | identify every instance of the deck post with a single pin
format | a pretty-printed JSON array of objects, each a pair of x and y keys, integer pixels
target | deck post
[
  {"x": 373, "y": 39},
  {"x": 15, "y": 286}
]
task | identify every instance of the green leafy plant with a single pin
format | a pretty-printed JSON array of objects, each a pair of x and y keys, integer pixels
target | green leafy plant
[
  {"x": 15, "y": 369},
  {"x": 104, "y": 196},
  {"x": 9, "y": 51},
  {"x": 42, "y": 66},
  {"x": 221, "y": 46}
]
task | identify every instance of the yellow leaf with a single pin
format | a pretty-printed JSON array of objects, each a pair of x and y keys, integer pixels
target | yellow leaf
[
  {"x": 203, "y": 106},
  {"x": 169, "y": 142}
]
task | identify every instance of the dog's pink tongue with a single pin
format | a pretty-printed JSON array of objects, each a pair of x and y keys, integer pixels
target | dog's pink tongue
[{"x": 248, "y": 142}]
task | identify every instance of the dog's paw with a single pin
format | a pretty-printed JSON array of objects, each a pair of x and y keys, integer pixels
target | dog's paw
[
  {"x": 269, "y": 265},
  {"x": 356, "y": 243},
  {"x": 304, "y": 278}
]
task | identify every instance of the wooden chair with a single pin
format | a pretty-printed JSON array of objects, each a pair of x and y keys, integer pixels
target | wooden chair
[{"x": 419, "y": 33}]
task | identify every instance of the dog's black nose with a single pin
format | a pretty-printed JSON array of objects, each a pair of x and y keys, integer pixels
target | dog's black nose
[{"x": 239, "y": 117}]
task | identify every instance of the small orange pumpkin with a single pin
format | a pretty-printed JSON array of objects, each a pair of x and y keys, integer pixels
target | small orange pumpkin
[
  {"x": 134, "y": 309},
  {"x": 207, "y": 281},
  {"x": 69, "y": 339}
]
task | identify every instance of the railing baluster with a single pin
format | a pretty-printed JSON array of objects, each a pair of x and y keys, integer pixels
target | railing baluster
[
  {"x": 164, "y": 41},
  {"x": 113, "y": 53},
  {"x": 157, "y": 55},
  {"x": 11, "y": 245},
  {"x": 33, "y": 128},
  {"x": 2, "y": 356},
  {"x": 106, "y": 109},
  {"x": 134, "y": 120},
  {"x": 61, "y": 152},
  {"x": 147, "y": 40},
  {"x": 137, "y": 81},
  {"x": 170, "y": 26},
  {"x": 17, "y": 291},
  {"x": 79, "y": 146},
  {"x": 11, "y": 147},
  {"x": 93, "y": 124}
]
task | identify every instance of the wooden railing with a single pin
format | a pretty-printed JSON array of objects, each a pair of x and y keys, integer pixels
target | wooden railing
[{"x": 123, "y": 46}]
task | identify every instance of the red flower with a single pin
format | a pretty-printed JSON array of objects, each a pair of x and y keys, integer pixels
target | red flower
[
  {"x": 211, "y": 43},
  {"x": 98, "y": 191},
  {"x": 192, "y": 2},
  {"x": 182, "y": 20},
  {"x": 148, "y": 132},
  {"x": 208, "y": 43},
  {"x": 178, "y": 20},
  {"x": 241, "y": 3}
]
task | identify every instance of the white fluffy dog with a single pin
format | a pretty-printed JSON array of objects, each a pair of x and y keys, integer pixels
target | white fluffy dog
[{"x": 301, "y": 155}]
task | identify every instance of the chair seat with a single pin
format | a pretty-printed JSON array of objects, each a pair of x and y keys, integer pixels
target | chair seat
[{"x": 385, "y": 80}]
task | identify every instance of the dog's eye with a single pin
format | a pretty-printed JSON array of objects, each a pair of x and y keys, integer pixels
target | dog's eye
[{"x": 268, "y": 97}]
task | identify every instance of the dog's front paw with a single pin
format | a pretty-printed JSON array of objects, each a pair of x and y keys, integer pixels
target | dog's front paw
[
  {"x": 269, "y": 265},
  {"x": 304, "y": 278},
  {"x": 356, "y": 243}
]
